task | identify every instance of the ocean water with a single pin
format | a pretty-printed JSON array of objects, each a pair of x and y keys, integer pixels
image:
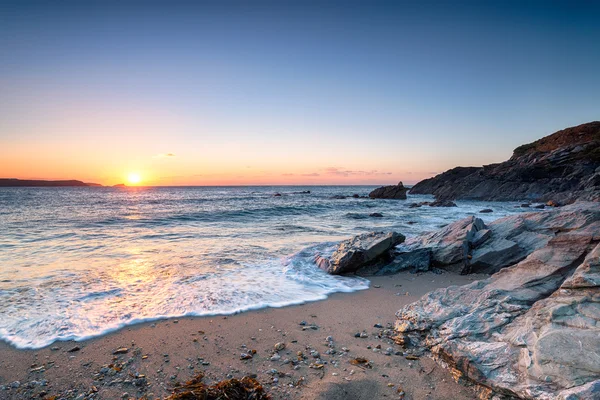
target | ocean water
[{"x": 79, "y": 262}]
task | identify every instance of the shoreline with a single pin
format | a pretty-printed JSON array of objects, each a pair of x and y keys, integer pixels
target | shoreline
[{"x": 163, "y": 352}]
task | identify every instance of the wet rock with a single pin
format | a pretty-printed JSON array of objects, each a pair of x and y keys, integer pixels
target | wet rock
[
  {"x": 442, "y": 203},
  {"x": 359, "y": 251},
  {"x": 486, "y": 211},
  {"x": 376, "y": 215},
  {"x": 74, "y": 349},
  {"x": 397, "y": 192},
  {"x": 418, "y": 260}
]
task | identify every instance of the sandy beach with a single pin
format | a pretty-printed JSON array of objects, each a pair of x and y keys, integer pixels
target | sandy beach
[{"x": 155, "y": 356}]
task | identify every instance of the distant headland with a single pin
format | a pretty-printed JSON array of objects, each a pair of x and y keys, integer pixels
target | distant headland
[{"x": 13, "y": 182}]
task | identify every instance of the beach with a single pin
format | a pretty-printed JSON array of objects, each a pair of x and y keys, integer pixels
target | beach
[{"x": 156, "y": 355}]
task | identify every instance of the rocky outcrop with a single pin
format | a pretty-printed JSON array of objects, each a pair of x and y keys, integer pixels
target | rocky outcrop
[
  {"x": 358, "y": 252},
  {"x": 469, "y": 245},
  {"x": 562, "y": 167},
  {"x": 532, "y": 329},
  {"x": 397, "y": 192}
]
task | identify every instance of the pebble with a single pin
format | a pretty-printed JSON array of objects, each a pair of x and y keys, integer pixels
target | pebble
[
  {"x": 15, "y": 384},
  {"x": 275, "y": 357},
  {"x": 377, "y": 326},
  {"x": 121, "y": 350},
  {"x": 279, "y": 346},
  {"x": 74, "y": 349},
  {"x": 302, "y": 323},
  {"x": 315, "y": 354}
]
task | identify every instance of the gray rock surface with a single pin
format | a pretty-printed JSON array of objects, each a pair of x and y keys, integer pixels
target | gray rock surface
[
  {"x": 390, "y": 192},
  {"x": 417, "y": 261},
  {"x": 450, "y": 245},
  {"x": 360, "y": 251},
  {"x": 531, "y": 330},
  {"x": 562, "y": 167}
]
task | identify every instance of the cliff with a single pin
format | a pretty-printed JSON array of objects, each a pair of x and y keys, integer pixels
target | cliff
[{"x": 562, "y": 167}]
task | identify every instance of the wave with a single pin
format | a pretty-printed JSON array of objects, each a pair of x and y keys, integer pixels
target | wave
[{"x": 84, "y": 306}]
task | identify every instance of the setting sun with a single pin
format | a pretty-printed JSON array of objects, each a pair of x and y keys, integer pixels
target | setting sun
[{"x": 134, "y": 178}]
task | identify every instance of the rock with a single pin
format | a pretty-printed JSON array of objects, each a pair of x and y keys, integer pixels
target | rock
[
  {"x": 417, "y": 260},
  {"x": 121, "y": 350},
  {"x": 397, "y": 192},
  {"x": 359, "y": 251},
  {"x": 74, "y": 349},
  {"x": 338, "y": 197},
  {"x": 530, "y": 330},
  {"x": 442, "y": 203},
  {"x": 480, "y": 237},
  {"x": 376, "y": 215},
  {"x": 540, "y": 206},
  {"x": 414, "y": 205},
  {"x": 450, "y": 245},
  {"x": 562, "y": 168},
  {"x": 277, "y": 195},
  {"x": 279, "y": 346},
  {"x": 494, "y": 255},
  {"x": 355, "y": 196},
  {"x": 486, "y": 211}
]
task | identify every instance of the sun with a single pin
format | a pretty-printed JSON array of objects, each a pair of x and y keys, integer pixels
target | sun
[{"x": 134, "y": 178}]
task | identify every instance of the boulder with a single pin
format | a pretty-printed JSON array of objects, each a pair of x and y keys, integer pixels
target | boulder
[
  {"x": 450, "y": 245},
  {"x": 530, "y": 330},
  {"x": 359, "y": 252},
  {"x": 397, "y": 192},
  {"x": 486, "y": 211},
  {"x": 417, "y": 261}
]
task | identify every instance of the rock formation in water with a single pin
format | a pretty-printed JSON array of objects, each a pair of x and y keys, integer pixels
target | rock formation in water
[
  {"x": 562, "y": 167},
  {"x": 360, "y": 251},
  {"x": 397, "y": 192},
  {"x": 531, "y": 330}
]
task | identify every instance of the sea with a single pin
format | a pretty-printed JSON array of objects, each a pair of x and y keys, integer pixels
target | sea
[{"x": 79, "y": 262}]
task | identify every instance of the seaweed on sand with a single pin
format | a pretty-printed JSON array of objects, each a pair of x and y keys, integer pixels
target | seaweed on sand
[{"x": 231, "y": 389}]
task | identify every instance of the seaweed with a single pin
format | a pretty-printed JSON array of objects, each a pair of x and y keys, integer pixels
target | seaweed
[{"x": 231, "y": 389}]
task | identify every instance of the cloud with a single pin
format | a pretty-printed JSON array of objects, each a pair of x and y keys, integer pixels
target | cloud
[
  {"x": 346, "y": 172},
  {"x": 164, "y": 155},
  {"x": 288, "y": 174},
  {"x": 312, "y": 174}
]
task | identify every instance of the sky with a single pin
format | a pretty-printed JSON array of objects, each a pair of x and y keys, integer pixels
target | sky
[{"x": 288, "y": 92}]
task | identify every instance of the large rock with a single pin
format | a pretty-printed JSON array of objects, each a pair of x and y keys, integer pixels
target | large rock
[
  {"x": 359, "y": 252},
  {"x": 532, "y": 330},
  {"x": 474, "y": 247},
  {"x": 418, "y": 260},
  {"x": 390, "y": 192},
  {"x": 450, "y": 245},
  {"x": 562, "y": 167}
]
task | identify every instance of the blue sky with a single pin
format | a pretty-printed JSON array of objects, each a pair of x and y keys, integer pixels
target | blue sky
[{"x": 261, "y": 92}]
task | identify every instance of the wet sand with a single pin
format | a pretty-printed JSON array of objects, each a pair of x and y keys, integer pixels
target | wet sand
[{"x": 165, "y": 352}]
